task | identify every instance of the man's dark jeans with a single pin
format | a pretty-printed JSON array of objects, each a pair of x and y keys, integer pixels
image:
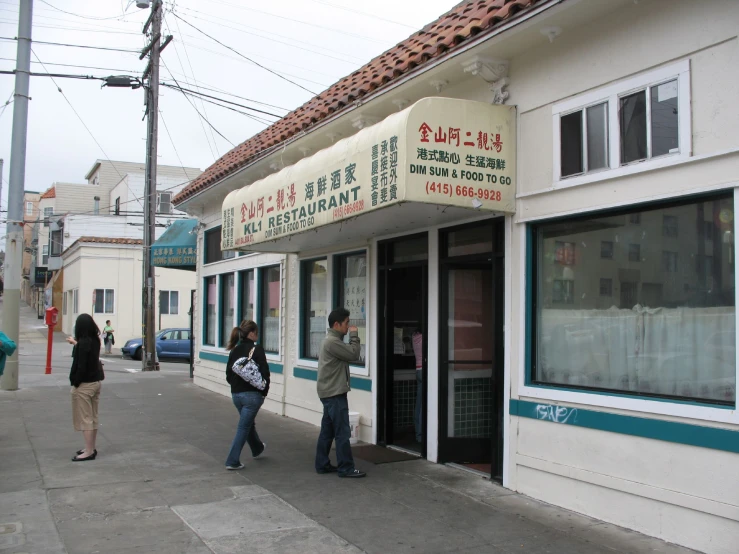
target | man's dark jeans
[{"x": 335, "y": 426}]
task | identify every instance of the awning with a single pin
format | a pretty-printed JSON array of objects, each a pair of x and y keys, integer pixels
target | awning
[
  {"x": 435, "y": 162},
  {"x": 177, "y": 247}
]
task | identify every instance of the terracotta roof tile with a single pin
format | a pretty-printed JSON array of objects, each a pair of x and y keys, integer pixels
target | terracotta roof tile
[
  {"x": 108, "y": 240},
  {"x": 466, "y": 20},
  {"x": 50, "y": 193}
]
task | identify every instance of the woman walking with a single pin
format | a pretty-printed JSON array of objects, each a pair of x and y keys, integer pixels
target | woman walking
[
  {"x": 85, "y": 377},
  {"x": 247, "y": 398}
]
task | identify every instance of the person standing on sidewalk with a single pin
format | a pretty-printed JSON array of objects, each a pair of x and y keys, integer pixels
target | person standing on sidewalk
[
  {"x": 333, "y": 386},
  {"x": 85, "y": 377},
  {"x": 246, "y": 398},
  {"x": 108, "y": 337}
]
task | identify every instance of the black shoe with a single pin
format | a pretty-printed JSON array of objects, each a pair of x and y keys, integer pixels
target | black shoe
[
  {"x": 327, "y": 469},
  {"x": 353, "y": 474},
  {"x": 78, "y": 459},
  {"x": 83, "y": 450}
]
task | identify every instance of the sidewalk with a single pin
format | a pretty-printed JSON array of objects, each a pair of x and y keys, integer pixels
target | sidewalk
[{"x": 159, "y": 485}]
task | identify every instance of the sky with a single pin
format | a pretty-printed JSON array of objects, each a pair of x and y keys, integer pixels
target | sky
[{"x": 304, "y": 46}]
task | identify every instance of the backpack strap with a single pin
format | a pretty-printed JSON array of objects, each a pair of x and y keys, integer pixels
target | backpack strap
[{"x": 251, "y": 352}]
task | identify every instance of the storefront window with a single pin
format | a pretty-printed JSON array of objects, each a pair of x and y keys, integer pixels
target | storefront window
[
  {"x": 248, "y": 295},
  {"x": 269, "y": 329},
  {"x": 227, "y": 307},
  {"x": 315, "y": 306},
  {"x": 656, "y": 317},
  {"x": 210, "y": 311},
  {"x": 213, "y": 252},
  {"x": 352, "y": 289}
]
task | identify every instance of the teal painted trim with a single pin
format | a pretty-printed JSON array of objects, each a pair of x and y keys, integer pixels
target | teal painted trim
[
  {"x": 361, "y": 384},
  {"x": 275, "y": 368},
  {"x": 302, "y": 373},
  {"x": 529, "y": 237},
  {"x": 213, "y": 357},
  {"x": 357, "y": 383},
  {"x": 726, "y": 440}
]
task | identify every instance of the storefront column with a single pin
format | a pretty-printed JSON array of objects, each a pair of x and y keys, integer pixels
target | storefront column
[{"x": 432, "y": 430}]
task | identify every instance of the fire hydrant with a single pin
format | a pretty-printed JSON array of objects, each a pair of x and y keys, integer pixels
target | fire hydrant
[{"x": 50, "y": 321}]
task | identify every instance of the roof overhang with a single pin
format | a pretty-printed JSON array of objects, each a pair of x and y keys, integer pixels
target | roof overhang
[
  {"x": 92, "y": 170},
  {"x": 439, "y": 160}
]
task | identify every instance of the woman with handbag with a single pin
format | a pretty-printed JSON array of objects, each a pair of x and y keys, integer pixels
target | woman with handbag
[
  {"x": 247, "y": 372},
  {"x": 85, "y": 377}
]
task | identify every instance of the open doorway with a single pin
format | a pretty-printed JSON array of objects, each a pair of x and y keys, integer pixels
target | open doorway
[{"x": 403, "y": 298}]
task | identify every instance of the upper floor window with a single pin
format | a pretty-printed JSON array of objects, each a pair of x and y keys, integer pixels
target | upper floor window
[
  {"x": 48, "y": 212},
  {"x": 29, "y": 208},
  {"x": 636, "y": 120},
  {"x": 213, "y": 252},
  {"x": 45, "y": 254},
  {"x": 164, "y": 202}
]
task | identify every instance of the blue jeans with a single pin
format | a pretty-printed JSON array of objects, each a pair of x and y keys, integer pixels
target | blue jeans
[
  {"x": 247, "y": 404},
  {"x": 335, "y": 426}
]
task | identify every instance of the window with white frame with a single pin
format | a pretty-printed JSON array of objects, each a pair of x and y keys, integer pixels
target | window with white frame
[
  {"x": 209, "y": 320},
  {"x": 636, "y": 120},
  {"x": 314, "y": 307},
  {"x": 270, "y": 308},
  {"x": 164, "y": 202},
  {"x": 64, "y": 304},
  {"x": 657, "y": 323},
  {"x": 45, "y": 254},
  {"x": 350, "y": 274},
  {"x": 228, "y": 304},
  {"x": 104, "y": 301},
  {"x": 48, "y": 212},
  {"x": 29, "y": 208},
  {"x": 75, "y": 301},
  {"x": 169, "y": 302}
]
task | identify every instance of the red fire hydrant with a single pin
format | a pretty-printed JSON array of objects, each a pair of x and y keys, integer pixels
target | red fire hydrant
[{"x": 50, "y": 320}]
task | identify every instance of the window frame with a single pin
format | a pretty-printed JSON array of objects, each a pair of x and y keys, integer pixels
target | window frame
[
  {"x": 169, "y": 302},
  {"x": 75, "y": 301},
  {"x": 48, "y": 214},
  {"x": 612, "y": 94},
  {"x": 628, "y": 402},
  {"x": 105, "y": 295},
  {"x": 204, "y": 335},
  {"x": 64, "y": 303},
  {"x": 224, "y": 330},
  {"x": 29, "y": 208},
  {"x": 227, "y": 255},
  {"x": 261, "y": 288},
  {"x": 242, "y": 278},
  {"x": 44, "y": 254},
  {"x": 334, "y": 273},
  {"x": 304, "y": 303}
]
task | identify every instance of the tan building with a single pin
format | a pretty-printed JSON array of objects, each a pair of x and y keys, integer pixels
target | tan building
[{"x": 30, "y": 224}]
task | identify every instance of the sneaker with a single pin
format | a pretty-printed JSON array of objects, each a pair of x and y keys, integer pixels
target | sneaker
[
  {"x": 353, "y": 474},
  {"x": 264, "y": 447},
  {"x": 234, "y": 468},
  {"x": 328, "y": 469}
]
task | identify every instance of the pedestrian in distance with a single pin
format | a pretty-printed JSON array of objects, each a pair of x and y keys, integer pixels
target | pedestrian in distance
[
  {"x": 108, "y": 337},
  {"x": 333, "y": 386},
  {"x": 246, "y": 397},
  {"x": 85, "y": 377}
]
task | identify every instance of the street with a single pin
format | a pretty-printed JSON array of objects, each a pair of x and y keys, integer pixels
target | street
[{"x": 159, "y": 483}]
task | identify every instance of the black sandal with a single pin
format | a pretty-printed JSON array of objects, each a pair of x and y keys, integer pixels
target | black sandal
[
  {"x": 78, "y": 459},
  {"x": 82, "y": 451}
]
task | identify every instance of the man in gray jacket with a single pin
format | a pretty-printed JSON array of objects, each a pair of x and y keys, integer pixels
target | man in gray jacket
[{"x": 333, "y": 386}]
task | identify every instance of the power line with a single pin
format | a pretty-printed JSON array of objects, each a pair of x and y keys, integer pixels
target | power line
[
  {"x": 354, "y": 61},
  {"x": 242, "y": 55},
  {"x": 80, "y": 66},
  {"x": 254, "y": 117},
  {"x": 62, "y": 27},
  {"x": 57, "y": 75},
  {"x": 80, "y": 118},
  {"x": 76, "y": 45},
  {"x": 84, "y": 16},
  {"x": 196, "y": 109},
  {"x": 193, "y": 92},
  {"x": 215, "y": 144}
]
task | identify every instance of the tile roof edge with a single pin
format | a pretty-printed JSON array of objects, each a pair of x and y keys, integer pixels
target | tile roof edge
[{"x": 445, "y": 52}]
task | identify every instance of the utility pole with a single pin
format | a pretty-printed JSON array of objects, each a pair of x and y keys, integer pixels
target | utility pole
[
  {"x": 14, "y": 242},
  {"x": 2, "y": 163},
  {"x": 148, "y": 358}
]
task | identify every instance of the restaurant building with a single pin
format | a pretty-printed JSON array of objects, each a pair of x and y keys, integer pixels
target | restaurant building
[{"x": 544, "y": 192}]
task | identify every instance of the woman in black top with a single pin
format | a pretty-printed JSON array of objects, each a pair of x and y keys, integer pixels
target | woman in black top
[
  {"x": 85, "y": 377},
  {"x": 246, "y": 398}
]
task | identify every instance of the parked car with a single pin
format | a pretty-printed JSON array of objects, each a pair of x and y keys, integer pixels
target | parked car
[{"x": 170, "y": 343}]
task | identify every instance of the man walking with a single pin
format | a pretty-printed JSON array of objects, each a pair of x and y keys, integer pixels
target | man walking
[{"x": 333, "y": 386}]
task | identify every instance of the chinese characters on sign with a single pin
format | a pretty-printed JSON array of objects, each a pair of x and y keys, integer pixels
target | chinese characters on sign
[
  {"x": 227, "y": 229},
  {"x": 163, "y": 256}
]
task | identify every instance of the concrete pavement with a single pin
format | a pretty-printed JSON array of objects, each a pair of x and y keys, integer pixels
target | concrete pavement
[{"x": 159, "y": 485}]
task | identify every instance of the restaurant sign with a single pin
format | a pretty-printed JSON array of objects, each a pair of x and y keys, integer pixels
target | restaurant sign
[{"x": 441, "y": 151}]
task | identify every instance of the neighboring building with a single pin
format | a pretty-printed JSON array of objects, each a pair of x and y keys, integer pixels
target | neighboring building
[
  {"x": 562, "y": 234},
  {"x": 103, "y": 277},
  {"x": 30, "y": 221},
  {"x": 109, "y": 206}
]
